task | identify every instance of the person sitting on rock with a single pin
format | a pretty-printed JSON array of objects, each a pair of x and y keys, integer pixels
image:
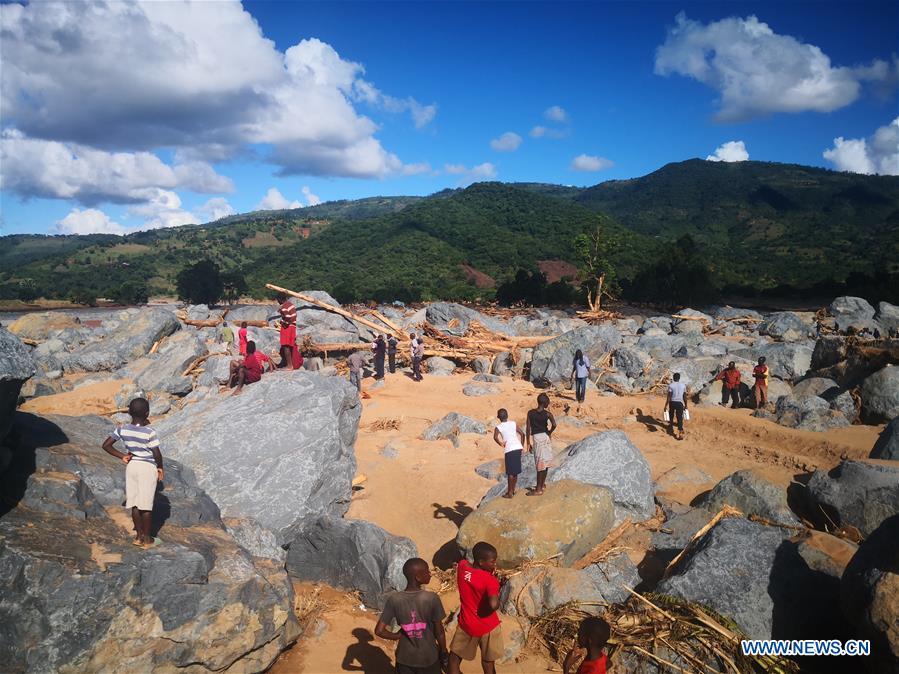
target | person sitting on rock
[
  {"x": 479, "y": 624},
  {"x": 508, "y": 436},
  {"x": 761, "y": 373},
  {"x": 538, "y": 439},
  {"x": 421, "y": 638},
  {"x": 592, "y": 636},
  {"x": 676, "y": 405},
  {"x": 248, "y": 371},
  {"x": 143, "y": 466},
  {"x": 730, "y": 385}
]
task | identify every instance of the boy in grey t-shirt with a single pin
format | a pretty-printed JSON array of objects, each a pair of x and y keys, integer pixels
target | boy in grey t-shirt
[{"x": 421, "y": 638}]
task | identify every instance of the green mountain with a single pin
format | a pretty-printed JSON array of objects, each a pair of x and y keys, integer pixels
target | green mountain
[{"x": 753, "y": 224}]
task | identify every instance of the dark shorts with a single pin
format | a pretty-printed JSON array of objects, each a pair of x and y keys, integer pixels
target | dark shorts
[
  {"x": 513, "y": 462},
  {"x": 407, "y": 669}
]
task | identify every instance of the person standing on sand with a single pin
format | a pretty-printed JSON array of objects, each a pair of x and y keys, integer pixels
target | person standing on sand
[
  {"x": 580, "y": 372},
  {"x": 391, "y": 353},
  {"x": 538, "y": 439},
  {"x": 730, "y": 385},
  {"x": 761, "y": 373},
  {"x": 417, "y": 351},
  {"x": 479, "y": 624},
  {"x": 356, "y": 361},
  {"x": 421, "y": 637},
  {"x": 508, "y": 436},
  {"x": 676, "y": 405},
  {"x": 143, "y": 467},
  {"x": 379, "y": 348}
]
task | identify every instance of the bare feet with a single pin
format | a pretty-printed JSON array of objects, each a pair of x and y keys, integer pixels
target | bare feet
[
  {"x": 536, "y": 492},
  {"x": 508, "y": 495}
]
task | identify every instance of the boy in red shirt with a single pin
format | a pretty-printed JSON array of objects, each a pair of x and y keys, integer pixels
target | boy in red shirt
[
  {"x": 592, "y": 636},
  {"x": 242, "y": 339},
  {"x": 479, "y": 625},
  {"x": 250, "y": 370},
  {"x": 730, "y": 387}
]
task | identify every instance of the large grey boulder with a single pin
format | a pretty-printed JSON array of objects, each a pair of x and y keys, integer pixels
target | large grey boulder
[
  {"x": 78, "y": 596},
  {"x": 139, "y": 329},
  {"x": 216, "y": 371},
  {"x": 476, "y": 389},
  {"x": 786, "y": 326},
  {"x": 43, "y": 325},
  {"x": 605, "y": 459},
  {"x": 810, "y": 413},
  {"x": 538, "y": 590},
  {"x": 197, "y": 312},
  {"x": 814, "y": 386},
  {"x": 661, "y": 347},
  {"x": 352, "y": 555},
  {"x": 632, "y": 362},
  {"x": 728, "y": 313},
  {"x": 503, "y": 364},
  {"x": 829, "y": 351},
  {"x": 251, "y": 312},
  {"x": 454, "y": 319},
  {"x": 861, "y": 494},
  {"x": 176, "y": 354},
  {"x": 552, "y": 360},
  {"x": 772, "y": 587},
  {"x": 16, "y": 366},
  {"x": 843, "y": 402},
  {"x": 692, "y": 323},
  {"x": 450, "y": 426},
  {"x": 880, "y": 395},
  {"x": 851, "y": 312},
  {"x": 280, "y": 451},
  {"x": 752, "y": 494},
  {"x": 787, "y": 360},
  {"x": 439, "y": 366},
  {"x": 870, "y": 596},
  {"x": 887, "y": 445},
  {"x": 888, "y": 316}
]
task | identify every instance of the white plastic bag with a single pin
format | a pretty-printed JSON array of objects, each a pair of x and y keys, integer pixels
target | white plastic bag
[
  {"x": 686, "y": 415},
  {"x": 666, "y": 416}
]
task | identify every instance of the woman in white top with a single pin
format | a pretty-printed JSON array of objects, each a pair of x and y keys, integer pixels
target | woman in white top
[
  {"x": 580, "y": 372},
  {"x": 508, "y": 436}
]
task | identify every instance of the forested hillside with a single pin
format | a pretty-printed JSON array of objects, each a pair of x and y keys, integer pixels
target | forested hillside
[{"x": 751, "y": 226}]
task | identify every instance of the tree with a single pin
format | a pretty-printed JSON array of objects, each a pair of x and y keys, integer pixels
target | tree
[
  {"x": 234, "y": 285},
  {"x": 131, "y": 292},
  {"x": 200, "y": 283},
  {"x": 84, "y": 296},
  {"x": 594, "y": 251}
]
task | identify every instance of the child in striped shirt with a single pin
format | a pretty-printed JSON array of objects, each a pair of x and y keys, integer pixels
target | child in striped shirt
[{"x": 143, "y": 466}]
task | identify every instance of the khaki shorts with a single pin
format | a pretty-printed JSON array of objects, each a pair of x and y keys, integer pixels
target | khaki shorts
[
  {"x": 140, "y": 484},
  {"x": 491, "y": 645},
  {"x": 543, "y": 450}
]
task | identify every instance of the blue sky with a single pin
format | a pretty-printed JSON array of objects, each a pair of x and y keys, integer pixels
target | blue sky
[{"x": 123, "y": 117}]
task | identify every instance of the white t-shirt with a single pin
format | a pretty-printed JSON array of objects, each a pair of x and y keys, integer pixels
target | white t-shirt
[
  {"x": 677, "y": 389},
  {"x": 509, "y": 431},
  {"x": 582, "y": 371}
]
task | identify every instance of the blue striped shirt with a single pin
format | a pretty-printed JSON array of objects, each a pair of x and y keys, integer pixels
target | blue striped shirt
[{"x": 139, "y": 441}]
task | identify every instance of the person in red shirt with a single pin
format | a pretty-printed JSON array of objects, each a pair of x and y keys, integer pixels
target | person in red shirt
[
  {"x": 592, "y": 636},
  {"x": 730, "y": 376},
  {"x": 242, "y": 339},
  {"x": 761, "y": 373},
  {"x": 248, "y": 371},
  {"x": 290, "y": 354},
  {"x": 479, "y": 625}
]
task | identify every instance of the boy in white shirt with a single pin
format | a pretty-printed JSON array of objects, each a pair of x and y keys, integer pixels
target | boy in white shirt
[{"x": 508, "y": 436}]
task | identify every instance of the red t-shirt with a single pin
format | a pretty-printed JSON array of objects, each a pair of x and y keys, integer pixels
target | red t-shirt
[
  {"x": 242, "y": 340},
  {"x": 731, "y": 377},
  {"x": 597, "y": 666},
  {"x": 475, "y": 585},
  {"x": 253, "y": 362}
]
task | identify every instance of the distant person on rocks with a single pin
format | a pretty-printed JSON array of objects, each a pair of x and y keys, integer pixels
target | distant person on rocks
[
  {"x": 290, "y": 354},
  {"x": 228, "y": 336},
  {"x": 580, "y": 372},
  {"x": 249, "y": 370},
  {"x": 379, "y": 348},
  {"x": 242, "y": 339},
  {"x": 419, "y": 614},
  {"x": 417, "y": 351},
  {"x": 479, "y": 625},
  {"x": 761, "y": 374},
  {"x": 592, "y": 636},
  {"x": 143, "y": 466},
  {"x": 508, "y": 436},
  {"x": 391, "y": 353},
  {"x": 538, "y": 439},
  {"x": 676, "y": 405},
  {"x": 356, "y": 361},
  {"x": 730, "y": 385}
]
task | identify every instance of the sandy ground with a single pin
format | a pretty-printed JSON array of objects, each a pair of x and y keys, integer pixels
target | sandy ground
[{"x": 426, "y": 491}]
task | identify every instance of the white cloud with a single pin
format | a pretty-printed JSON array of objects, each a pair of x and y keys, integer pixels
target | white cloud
[
  {"x": 41, "y": 168},
  {"x": 197, "y": 77},
  {"x": 547, "y": 132},
  {"x": 422, "y": 115},
  {"x": 757, "y": 71},
  {"x": 214, "y": 209},
  {"x": 508, "y": 142},
  {"x": 556, "y": 114},
  {"x": 275, "y": 201},
  {"x": 416, "y": 169},
  {"x": 311, "y": 199},
  {"x": 485, "y": 171},
  {"x": 589, "y": 163},
  {"x": 877, "y": 154},
  {"x": 731, "y": 151},
  {"x": 88, "y": 221},
  {"x": 161, "y": 208}
]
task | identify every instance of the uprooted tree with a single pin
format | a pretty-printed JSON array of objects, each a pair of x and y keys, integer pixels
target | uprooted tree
[{"x": 598, "y": 276}]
